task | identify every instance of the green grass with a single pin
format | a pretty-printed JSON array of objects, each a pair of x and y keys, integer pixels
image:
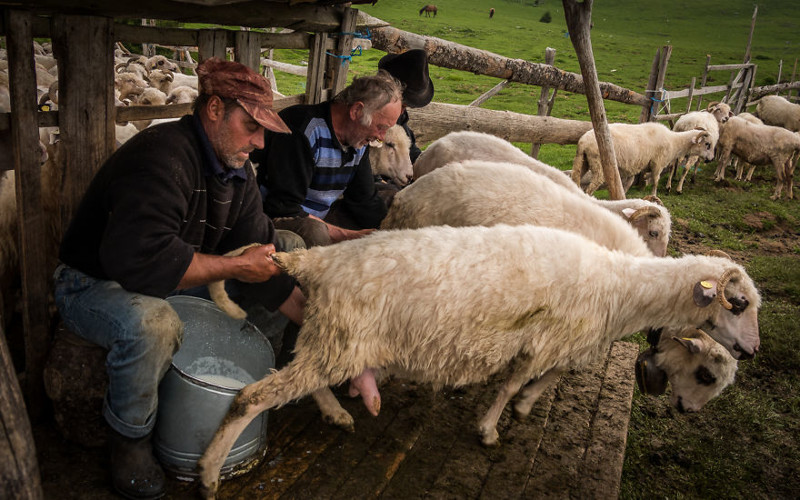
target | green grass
[{"x": 744, "y": 444}]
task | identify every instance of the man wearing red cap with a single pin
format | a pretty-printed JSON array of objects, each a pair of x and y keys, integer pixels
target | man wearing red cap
[{"x": 154, "y": 221}]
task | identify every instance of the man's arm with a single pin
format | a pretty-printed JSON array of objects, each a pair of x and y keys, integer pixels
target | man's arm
[
  {"x": 253, "y": 266},
  {"x": 338, "y": 234},
  {"x": 293, "y": 306}
]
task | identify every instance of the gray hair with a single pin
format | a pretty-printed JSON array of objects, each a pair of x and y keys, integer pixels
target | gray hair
[{"x": 375, "y": 91}]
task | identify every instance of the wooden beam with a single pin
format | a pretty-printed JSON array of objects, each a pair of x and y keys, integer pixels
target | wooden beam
[
  {"x": 545, "y": 104},
  {"x": 579, "y": 16},
  {"x": 86, "y": 96},
  {"x": 447, "y": 54},
  {"x": 489, "y": 93},
  {"x": 35, "y": 275},
  {"x": 337, "y": 68},
  {"x": 438, "y": 119},
  {"x": 19, "y": 474},
  {"x": 252, "y": 13},
  {"x": 211, "y": 43},
  {"x": 315, "y": 80},
  {"x": 247, "y": 50}
]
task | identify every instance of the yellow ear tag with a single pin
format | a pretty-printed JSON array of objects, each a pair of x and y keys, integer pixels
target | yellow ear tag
[
  {"x": 706, "y": 285},
  {"x": 686, "y": 338}
]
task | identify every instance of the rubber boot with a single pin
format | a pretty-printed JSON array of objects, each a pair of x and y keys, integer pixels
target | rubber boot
[{"x": 135, "y": 472}]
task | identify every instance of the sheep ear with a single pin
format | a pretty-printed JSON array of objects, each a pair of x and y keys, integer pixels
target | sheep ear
[
  {"x": 704, "y": 292},
  {"x": 692, "y": 345},
  {"x": 627, "y": 212}
]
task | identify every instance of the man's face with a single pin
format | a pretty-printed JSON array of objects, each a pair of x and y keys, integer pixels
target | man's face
[
  {"x": 234, "y": 136},
  {"x": 382, "y": 119}
]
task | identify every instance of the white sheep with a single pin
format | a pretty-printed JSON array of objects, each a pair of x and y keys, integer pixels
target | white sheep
[
  {"x": 129, "y": 84},
  {"x": 482, "y": 193},
  {"x": 162, "y": 80},
  {"x": 648, "y": 216},
  {"x": 161, "y": 63},
  {"x": 181, "y": 95},
  {"x": 760, "y": 145},
  {"x": 454, "y": 306},
  {"x": 390, "y": 158},
  {"x": 739, "y": 165},
  {"x": 149, "y": 97},
  {"x": 776, "y": 110},
  {"x": 638, "y": 147},
  {"x": 696, "y": 366},
  {"x": 707, "y": 120}
]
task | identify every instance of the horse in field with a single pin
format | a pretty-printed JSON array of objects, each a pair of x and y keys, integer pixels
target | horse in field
[
  {"x": 428, "y": 9},
  {"x": 491, "y": 13}
]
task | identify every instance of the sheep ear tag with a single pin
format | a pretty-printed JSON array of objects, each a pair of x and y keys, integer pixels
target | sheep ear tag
[
  {"x": 704, "y": 292},
  {"x": 650, "y": 378}
]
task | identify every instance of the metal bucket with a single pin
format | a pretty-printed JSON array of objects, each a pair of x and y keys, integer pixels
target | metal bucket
[{"x": 218, "y": 356}]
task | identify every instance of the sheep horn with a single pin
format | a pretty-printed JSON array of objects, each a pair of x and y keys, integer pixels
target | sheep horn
[
  {"x": 653, "y": 198},
  {"x": 718, "y": 253},
  {"x": 644, "y": 211},
  {"x": 722, "y": 283},
  {"x": 711, "y": 105},
  {"x": 118, "y": 66}
]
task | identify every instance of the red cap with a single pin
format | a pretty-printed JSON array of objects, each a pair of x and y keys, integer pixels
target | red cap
[{"x": 236, "y": 81}]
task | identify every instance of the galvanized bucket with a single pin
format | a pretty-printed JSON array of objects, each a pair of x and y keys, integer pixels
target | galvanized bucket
[{"x": 218, "y": 356}]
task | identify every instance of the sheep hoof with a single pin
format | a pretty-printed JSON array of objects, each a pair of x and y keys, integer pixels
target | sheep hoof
[
  {"x": 490, "y": 437},
  {"x": 521, "y": 412},
  {"x": 342, "y": 420}
]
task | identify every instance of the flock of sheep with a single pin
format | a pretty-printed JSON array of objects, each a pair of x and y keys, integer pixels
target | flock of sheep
[{"x": 494, "y": 263}]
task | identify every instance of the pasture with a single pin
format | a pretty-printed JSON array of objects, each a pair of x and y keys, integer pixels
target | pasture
[{"x": 745, "y": 443}]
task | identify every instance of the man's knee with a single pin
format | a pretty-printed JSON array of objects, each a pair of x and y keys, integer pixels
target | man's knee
[
  {"x": 286, "y": 241},
  {"x": 314, "y": 232}
]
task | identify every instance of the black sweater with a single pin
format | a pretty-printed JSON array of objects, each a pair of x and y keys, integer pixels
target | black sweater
[{"x": 151, "y": 206}]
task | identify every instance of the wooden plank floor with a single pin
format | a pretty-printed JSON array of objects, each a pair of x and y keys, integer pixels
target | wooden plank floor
[{"x": 423, "y": 444}]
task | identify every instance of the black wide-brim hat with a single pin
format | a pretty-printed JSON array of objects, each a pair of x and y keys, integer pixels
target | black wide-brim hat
[{"x": 411, "y": 68}]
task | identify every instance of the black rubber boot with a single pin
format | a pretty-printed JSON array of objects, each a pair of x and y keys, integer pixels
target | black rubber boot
[{"x": 135, "y": 472}]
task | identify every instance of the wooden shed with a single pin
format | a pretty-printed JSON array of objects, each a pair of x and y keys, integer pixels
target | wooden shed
[{"x": 84, "y": 35}]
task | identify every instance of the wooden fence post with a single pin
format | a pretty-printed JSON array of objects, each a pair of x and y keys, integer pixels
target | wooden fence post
[
  {"x": 703, "y": 80},
  {"x": 649, "y": 91},
  {"x": 578, "y": 22},
  {"x": 545, "y": 104},
  {"x": 338, "y": 66},
  {"x": 247, "y": 49},
  {"x": 212, "y": 43},
  {"x": 315, "y": 80}
]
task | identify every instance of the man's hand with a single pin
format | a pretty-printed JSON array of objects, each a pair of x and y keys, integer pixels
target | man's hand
[
  {"x": 256, "y": 264},
  {"x": 341, "y": 234}
]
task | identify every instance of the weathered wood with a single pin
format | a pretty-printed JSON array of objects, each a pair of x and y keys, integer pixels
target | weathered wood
[
  {"x": 489, "y": 93},
  {"x": 32, "y": 248},
  {"x": 579, "y": 16},
  {"x": 438, "y": 119},
  {"x": 86, "y": 95},
  {"x": 188, "y": 37},
  {"x": 211, "y": 43},
  {"x": 19, "y": 469},
  {"x": 650, "y": 88},
  {"x": 292, "y": 69},
  {"x": 456, "y": 56},
  {"x": 337, "y": 68},
  {"x": 662, "y": 74},
  {"x": 727, "y": 67},
  {"x": 315, "y": 80},
  {"x": 703, "y": 80},
  {"x": 750, "y": 36},
  {"x": 690, "y": 96},
  {"x": 247, "y": 50},
  {"x": 545, "y": 104},
  {"x": 252, "y": 13}
]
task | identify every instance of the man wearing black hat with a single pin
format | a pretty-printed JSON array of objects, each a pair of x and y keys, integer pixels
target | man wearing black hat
[
  {"x": 155, "y": 220},
  {"x": 411, "y": 68}
]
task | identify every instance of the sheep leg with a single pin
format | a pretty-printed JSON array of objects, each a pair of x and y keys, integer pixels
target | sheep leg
[
  {"x": 750, "y": 172},
  {"x": 487, "y": 427},
  {"x": 275, "y": 390},
  {"x": 780, "y": 177},
  {"x": 332, "y": 411},
  {"x": 531, "y": 393},
  {"x": 691, "y": 162},
  {"x": 791, "y": 164},
  {"x": 724, "y": 158}
]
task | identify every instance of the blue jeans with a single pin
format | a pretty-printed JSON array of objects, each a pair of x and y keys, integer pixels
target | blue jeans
[{"x": 142, "y": 334}]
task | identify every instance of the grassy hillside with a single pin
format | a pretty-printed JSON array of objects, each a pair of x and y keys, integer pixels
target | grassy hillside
[{"x": 745, "y": 443}]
